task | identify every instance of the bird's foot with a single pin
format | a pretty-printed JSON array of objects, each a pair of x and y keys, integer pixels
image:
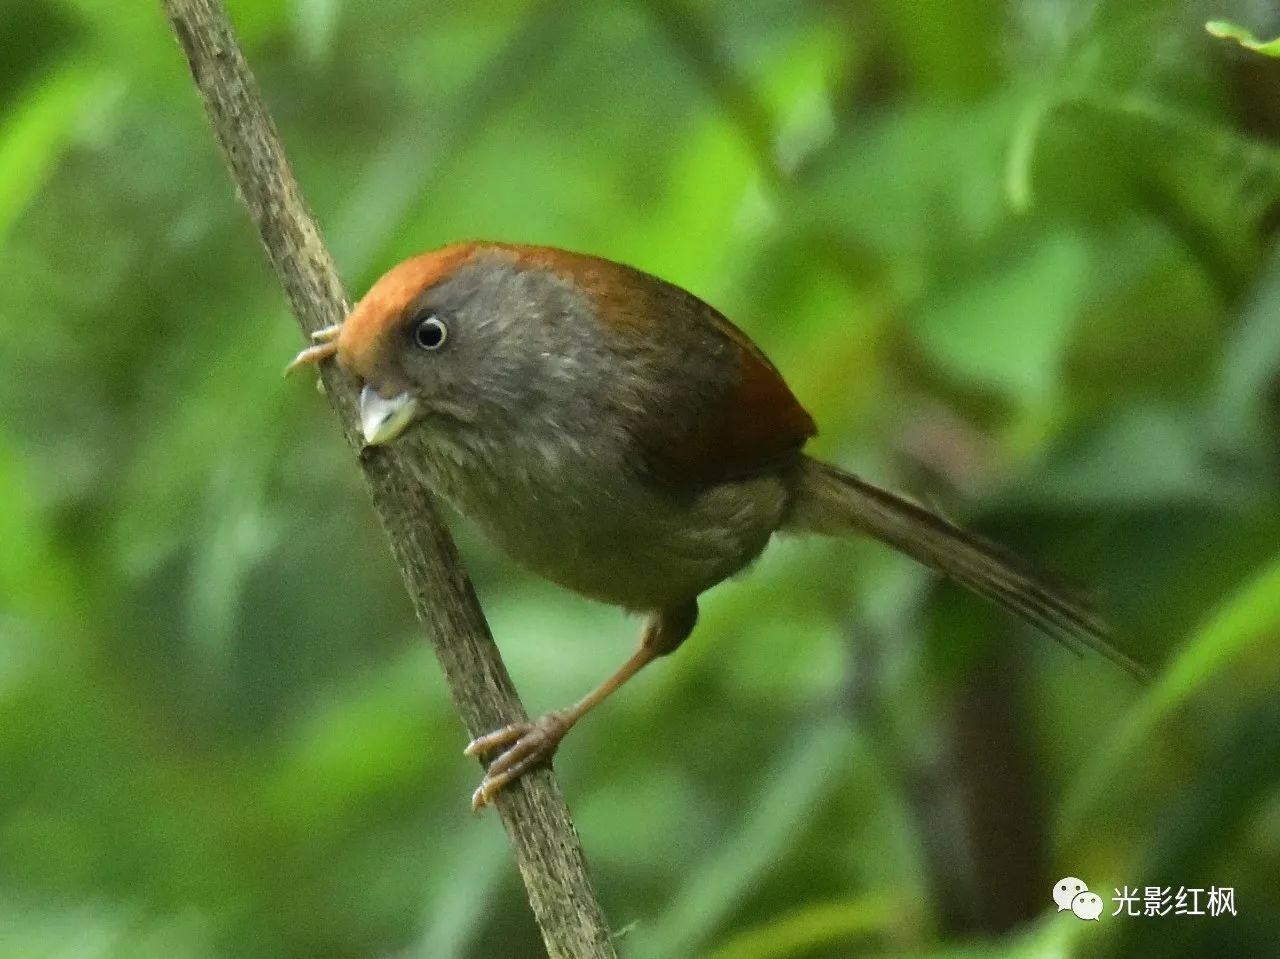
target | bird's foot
[
  {"x": 326, "y": 346},
  {"x": 524, "y": 746},
  {"x": 326, "y": 334}
]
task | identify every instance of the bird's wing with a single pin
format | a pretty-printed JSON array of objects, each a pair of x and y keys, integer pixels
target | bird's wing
[{"x": 744, "y": 422}]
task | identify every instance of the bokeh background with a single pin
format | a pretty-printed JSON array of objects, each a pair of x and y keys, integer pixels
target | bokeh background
[{"x": 1020, "y": 260}]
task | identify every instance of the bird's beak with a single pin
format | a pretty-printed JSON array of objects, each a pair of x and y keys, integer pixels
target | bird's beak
[{"x": 381, "y": 420}]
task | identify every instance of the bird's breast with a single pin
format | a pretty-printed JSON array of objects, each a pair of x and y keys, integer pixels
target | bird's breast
[{"x": 581, "y": 518}]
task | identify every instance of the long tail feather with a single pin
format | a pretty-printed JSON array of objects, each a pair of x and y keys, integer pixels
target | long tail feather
[{"x": 836, "y": 503}]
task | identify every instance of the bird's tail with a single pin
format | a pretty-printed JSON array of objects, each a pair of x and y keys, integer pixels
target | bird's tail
[{"x": 835, "y": 503}]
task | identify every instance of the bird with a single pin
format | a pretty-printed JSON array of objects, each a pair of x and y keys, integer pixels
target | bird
[{"x": 618, "y": 436}]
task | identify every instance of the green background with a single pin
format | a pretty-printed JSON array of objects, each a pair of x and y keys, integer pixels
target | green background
[{"x": 1019, "y": 259}]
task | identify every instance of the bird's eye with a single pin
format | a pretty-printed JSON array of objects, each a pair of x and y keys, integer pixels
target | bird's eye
[{"x": 430, "y": 333}]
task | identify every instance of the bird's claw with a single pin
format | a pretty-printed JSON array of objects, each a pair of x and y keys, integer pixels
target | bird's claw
[
  {"x": 325, "y": 347},
  {"x": 524, "y": 746}
]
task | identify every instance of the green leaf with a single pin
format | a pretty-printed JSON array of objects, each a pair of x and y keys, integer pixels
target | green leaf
[
  {"x": 1225, "y": 30},
  {"x": 37, "y": 579},
  {"x": 810, "y": 927},
  {"x": 34, "y": 135},
  {"x": 1007, "y": 327},
  {"x": 1243, "y": 621},
  {"x": 802, "y": 778}
]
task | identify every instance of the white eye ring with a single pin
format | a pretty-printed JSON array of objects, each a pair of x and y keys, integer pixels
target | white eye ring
[{"x": 430, "y": 333}]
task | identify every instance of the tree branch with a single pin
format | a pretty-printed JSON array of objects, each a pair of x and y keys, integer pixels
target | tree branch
[{"x": 533, "y": 810}]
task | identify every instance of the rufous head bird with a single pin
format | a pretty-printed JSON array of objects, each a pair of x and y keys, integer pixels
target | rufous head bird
[{"x": 618, "y": 436}]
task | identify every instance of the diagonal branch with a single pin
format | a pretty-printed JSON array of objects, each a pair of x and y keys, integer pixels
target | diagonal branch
[{"x": 533, "y": 810}]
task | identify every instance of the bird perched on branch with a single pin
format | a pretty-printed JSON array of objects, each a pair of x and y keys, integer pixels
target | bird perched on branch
[{"x": 618, "y": 436}]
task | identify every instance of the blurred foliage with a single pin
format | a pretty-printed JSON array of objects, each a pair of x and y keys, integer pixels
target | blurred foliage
[
  {"x": 1233, "y": 31},
  {"x": 1018, "y": 258}
]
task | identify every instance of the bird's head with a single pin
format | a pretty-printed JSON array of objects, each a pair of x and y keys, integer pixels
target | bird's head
[{"x": 478, "y": 333}]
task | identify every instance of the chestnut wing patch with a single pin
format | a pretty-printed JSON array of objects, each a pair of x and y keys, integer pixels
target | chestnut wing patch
[{"x": 749, "y": 425}]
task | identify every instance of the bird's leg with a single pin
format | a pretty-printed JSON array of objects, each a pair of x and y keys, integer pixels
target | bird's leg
[{"x": 529, "y": 744}]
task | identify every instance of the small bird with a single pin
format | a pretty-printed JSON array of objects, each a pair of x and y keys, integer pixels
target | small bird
[{"x": 618, "y": 436}]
